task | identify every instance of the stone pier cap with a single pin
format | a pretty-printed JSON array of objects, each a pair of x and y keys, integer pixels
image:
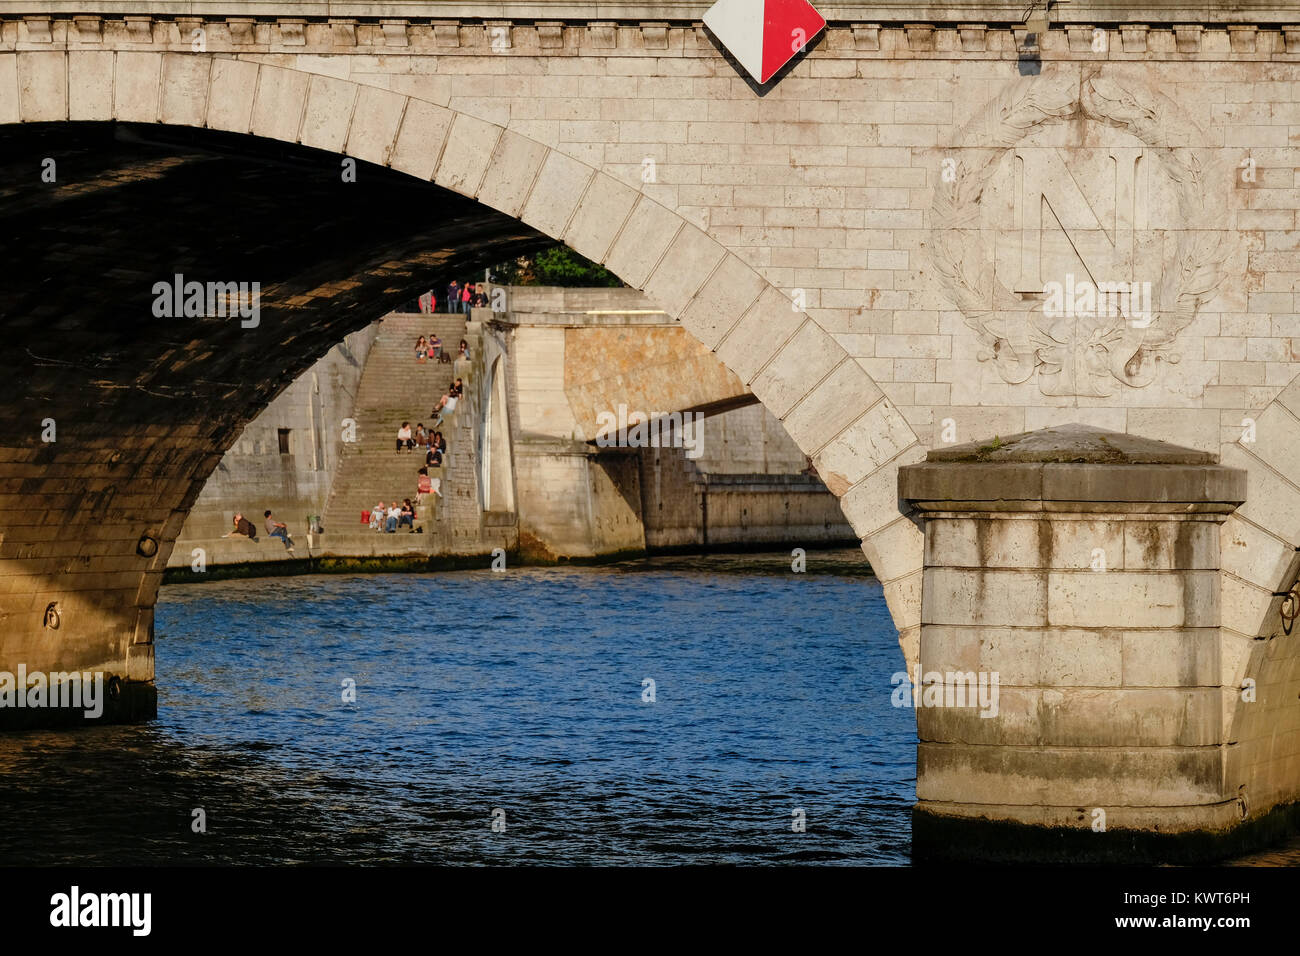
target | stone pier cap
[{"x": 1072, "y": 468}]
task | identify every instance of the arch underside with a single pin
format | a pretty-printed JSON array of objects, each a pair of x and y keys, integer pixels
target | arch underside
[{"x": 140, "y": 406}]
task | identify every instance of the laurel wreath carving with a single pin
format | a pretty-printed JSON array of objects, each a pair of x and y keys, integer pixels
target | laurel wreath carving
[{"x": 1018, "y": 349}]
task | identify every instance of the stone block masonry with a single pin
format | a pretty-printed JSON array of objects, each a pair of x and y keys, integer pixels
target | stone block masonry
[{"x": 1079, "y": 570}]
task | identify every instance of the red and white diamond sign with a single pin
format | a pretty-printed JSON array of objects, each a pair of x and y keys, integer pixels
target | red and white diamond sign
[{"x": 764, "y": 35}]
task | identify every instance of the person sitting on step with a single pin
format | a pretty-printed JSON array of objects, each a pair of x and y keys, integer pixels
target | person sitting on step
[
  {"x": 278, "y": 529},
  {"x": 242, "y": 527},
  {"x": 404, "y": 437},
  {"x": 426, "y": 485},
  {"x": 446, "y": 405}
]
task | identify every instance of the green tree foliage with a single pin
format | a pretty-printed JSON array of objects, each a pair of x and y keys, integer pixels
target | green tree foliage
[{"x": 556, "y": 266}]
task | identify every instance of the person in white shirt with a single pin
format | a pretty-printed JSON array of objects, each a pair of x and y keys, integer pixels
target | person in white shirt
[
  {"x": 404, "y": 437},
  {"x": 394, "y": 513}
]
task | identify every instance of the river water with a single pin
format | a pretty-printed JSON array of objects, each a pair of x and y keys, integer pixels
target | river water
[{"x": 498, "y": 718}]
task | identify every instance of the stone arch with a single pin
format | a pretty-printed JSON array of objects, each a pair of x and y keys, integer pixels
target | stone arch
[
  {"x": 826, "y": 401},
  {"x": 1260, "y": 550}
]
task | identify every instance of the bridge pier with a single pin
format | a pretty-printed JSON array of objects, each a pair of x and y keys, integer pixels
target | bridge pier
[
  {"x": 91, "y": 518},
  {"x": 1074, "y": 572},
  {"x": 94, "y": 620}
]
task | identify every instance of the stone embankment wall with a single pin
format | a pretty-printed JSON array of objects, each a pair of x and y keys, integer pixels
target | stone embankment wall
[
  {"x": 557, "y": 496},
  {"x": 290, "y": 475}
]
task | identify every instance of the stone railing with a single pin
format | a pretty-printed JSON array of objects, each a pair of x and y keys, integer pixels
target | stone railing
[
  {"x": 1081, "y": 31},
  {"x": 674, "y": 11}
]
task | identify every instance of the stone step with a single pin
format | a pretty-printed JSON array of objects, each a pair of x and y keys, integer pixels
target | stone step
[{"x": 395, "y": 388}]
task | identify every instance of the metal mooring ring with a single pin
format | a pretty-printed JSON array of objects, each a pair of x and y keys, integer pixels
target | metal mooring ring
[{"x": 1289, "y": 610}]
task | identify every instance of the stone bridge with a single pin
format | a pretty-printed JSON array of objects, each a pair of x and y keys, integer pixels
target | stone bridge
[{"x": 938, "y": 225}]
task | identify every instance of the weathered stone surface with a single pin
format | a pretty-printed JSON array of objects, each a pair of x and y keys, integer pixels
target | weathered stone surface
[
  {"x": 761, "y": 332},
  {"x": 599, "y": 216},
  {"x": 1075, "y": 717},
  {"x": 1100, "y": 630},
  {"x": 42, "y": 87},
  {"x": 137, "y": 87},
  {"x": 375, "y": 123},
  {"x": 421, "y": 139},
  {"x": 985, "y": 598},
  {"x": 687, "y": 264},
  {"x": 185, "y": 86},
  {"x": 641, "y": 243},
  {"x": 867, "y": 503},
  {"x": 1074, "y": 463},
  {"x": 511, "y": 175},
  {"x": 729, "y": 292},
  {"x": 278, "y": 106},
  {"x": 808, "y": 357},
  {"x": 1070, "y": 777},
  {"x": 653, "y": 369},
  {"x": 1031, "y": 542},
  {"x": 328, "y": 113},
  {"x": 1074, "y": 444},
  {"x": 234, "y": 85},
  {"x": 1091, "y": 599},
  {"x": 1028, "y": 657},
  {"x": 895, "y": 551},
  {"x": 831, "y": 407},
  {"x": 471, "y": 145},
  {"x": 874, "y": 438},
  {"x": 90, "y": 90}
]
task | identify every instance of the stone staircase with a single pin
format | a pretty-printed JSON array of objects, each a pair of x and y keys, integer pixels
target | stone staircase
[{"x": 394, "y": 388}]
